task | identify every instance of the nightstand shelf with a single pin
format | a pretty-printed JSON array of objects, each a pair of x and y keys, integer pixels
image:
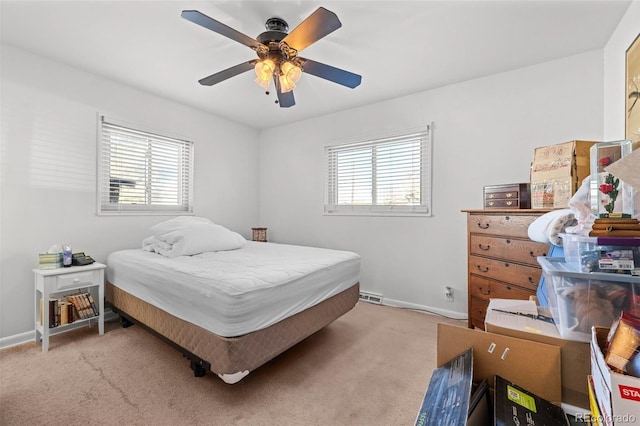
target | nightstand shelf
[{"x": 61, "y": 282}]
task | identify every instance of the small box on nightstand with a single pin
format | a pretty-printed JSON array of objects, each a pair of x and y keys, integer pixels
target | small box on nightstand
[{"x": 508, "y": 196}]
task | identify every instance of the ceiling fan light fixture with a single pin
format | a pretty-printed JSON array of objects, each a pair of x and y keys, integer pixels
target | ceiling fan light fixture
[
  {"x": 289, "y": 76},
  {"x": 264, "y": 72},
  {"x": 277, "y": 50}
]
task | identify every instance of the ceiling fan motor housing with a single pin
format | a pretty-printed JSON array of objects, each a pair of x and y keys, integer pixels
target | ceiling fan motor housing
[
  {"x": 276, "y": 30},
  {"x": 277, "y": 24}
]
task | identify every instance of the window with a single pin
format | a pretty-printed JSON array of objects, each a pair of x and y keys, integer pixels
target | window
[
  {"x": 142, "y": 172},
  {"x": 390, "y": 176}
]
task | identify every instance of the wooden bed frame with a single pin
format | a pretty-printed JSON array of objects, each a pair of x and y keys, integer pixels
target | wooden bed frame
[{"x": 231, "y": 358}]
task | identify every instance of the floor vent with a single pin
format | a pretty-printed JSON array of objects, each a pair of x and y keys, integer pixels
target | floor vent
[{"x": 371, "y": 298}]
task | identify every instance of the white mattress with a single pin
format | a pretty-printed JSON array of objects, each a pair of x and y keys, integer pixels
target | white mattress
[{"x": 232, "y": 293}]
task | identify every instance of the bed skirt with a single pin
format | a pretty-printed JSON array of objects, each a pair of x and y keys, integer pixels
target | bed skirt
[{"x": 232, "y": 358}]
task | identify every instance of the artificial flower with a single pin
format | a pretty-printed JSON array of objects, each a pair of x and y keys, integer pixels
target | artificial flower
[{"x": 610, "y": 188}]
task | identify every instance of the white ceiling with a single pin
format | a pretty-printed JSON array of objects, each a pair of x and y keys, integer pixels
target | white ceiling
[{"x": 399, "y": 47}]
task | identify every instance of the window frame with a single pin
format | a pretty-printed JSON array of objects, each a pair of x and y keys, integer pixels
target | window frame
[
  {"x": 105, "y": 182},
  {"x": 422, "y": 209}
]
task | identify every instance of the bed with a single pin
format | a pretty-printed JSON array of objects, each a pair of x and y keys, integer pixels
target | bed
[{"x": 231, "y": 311}]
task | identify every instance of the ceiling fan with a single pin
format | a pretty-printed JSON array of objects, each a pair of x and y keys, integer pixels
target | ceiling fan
[{"x": 277, "y": 52}]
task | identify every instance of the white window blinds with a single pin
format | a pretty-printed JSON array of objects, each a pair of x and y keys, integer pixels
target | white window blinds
[
  {"x": 390, "y": 176},
  {"x": 142, "y": 172}
]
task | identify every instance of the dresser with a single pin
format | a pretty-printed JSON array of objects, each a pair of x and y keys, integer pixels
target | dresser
[{"x": 501, "y": 258}]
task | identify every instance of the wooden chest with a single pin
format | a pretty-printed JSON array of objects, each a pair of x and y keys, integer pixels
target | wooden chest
[
  {"x": 509, "y": 196},
  {"x": 502, "y": 260}
]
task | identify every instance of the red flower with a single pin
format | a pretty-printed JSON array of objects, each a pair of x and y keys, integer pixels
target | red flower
[
  {"x": 604, "y": 161},
  {"x": 606, "y": 188}
]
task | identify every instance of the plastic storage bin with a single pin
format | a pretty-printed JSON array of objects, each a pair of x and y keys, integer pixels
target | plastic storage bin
[
  {"x": 573, "y": 243},
  {"x": 579, "y": 300},
  {"x": 602, "y": 254}
]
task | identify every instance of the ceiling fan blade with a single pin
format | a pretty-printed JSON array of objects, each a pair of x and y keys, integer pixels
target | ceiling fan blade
[
  {"x": 220, "y": 28},
  {"x": 285, "y": 100},
  {"x": 228, "y": 73},
  {"x": 317, "y": 25},
  {"x": 330, "y": 73}
]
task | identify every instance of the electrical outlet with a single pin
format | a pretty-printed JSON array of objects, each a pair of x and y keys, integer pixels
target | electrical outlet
[{"x": 448, "y": 294}]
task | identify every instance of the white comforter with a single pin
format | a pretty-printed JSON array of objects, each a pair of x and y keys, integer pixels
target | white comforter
[
  {"x": 188, "y": 235},
  {"x": 234, "y": 292}
]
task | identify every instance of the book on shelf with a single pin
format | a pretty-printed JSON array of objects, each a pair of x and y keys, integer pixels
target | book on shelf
[
  {"x": 64, "y": 313},
  {"x": 53, "y": 307},
  {"x": 88, "y": 312},
  {"x": 68, "y": 309},
  {"x": 92, "y": 303},
  {"x": 84, "y": 305},
  {"x": 75, "y": 301}
]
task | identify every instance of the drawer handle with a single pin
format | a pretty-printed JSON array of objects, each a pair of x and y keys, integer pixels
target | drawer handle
[
  {"x": 508, "y": 287},
  {"x": 506, "y": 265},
  {"x": 532, "y": 254},
  {"x": 531, "y": 280},
  {"x": 76, "y": 280},
  {"x": 485, "y": 248},
  {"x": 481, "y": 226},
  {"x": 486, "y": 293},
  {"x": 509, "y": 203},
  {"x": 509, "y": 194},
  {"x": 508, "y": 241},
  {"x": 485, "y": 269},
  {"x": 507, "y": 218}
]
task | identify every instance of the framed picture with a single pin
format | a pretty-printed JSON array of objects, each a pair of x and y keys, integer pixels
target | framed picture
[{"x": 632, "y": 93}]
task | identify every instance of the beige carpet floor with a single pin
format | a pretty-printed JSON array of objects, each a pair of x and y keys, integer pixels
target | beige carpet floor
[{"x": 370, "y": 367}]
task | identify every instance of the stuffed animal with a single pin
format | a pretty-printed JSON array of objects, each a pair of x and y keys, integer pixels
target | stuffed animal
[{"x": 590, "y": 307}]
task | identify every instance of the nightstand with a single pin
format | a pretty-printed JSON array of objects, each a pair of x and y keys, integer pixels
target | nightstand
[{"x": 57, "y": 284}]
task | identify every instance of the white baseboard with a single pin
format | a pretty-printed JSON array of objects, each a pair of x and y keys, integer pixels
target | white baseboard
[
  {"x": 444, "y": 312},
  {"x": 30, "y": 336},
  {"x": 17, "y": 339}
]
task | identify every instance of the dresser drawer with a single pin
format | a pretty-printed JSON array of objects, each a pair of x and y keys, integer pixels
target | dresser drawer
[
  {"x": 500, "y": 224},
  {"x": 478, "y": 310},
  {"x": 502, "y": 204},
  {"x": 485, "y": 289},
  {"x": 519, "y": 275},
  {"x": 76, "y": 279},
  {"x": 514, "y": 249}
]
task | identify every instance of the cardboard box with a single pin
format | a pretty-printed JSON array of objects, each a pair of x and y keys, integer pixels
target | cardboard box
[
  {"x": 574, "y": 356},
  {"x": 618, "y": 395},
  {"x": 557, "y": 172},
  {"x": 532, "y": 365}
]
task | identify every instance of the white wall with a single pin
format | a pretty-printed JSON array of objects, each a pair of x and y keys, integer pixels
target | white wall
[
  {"x": 485, "y": 133},
  {"x": 614, "y": 73},
  {"x": 48, "y": 178}
]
